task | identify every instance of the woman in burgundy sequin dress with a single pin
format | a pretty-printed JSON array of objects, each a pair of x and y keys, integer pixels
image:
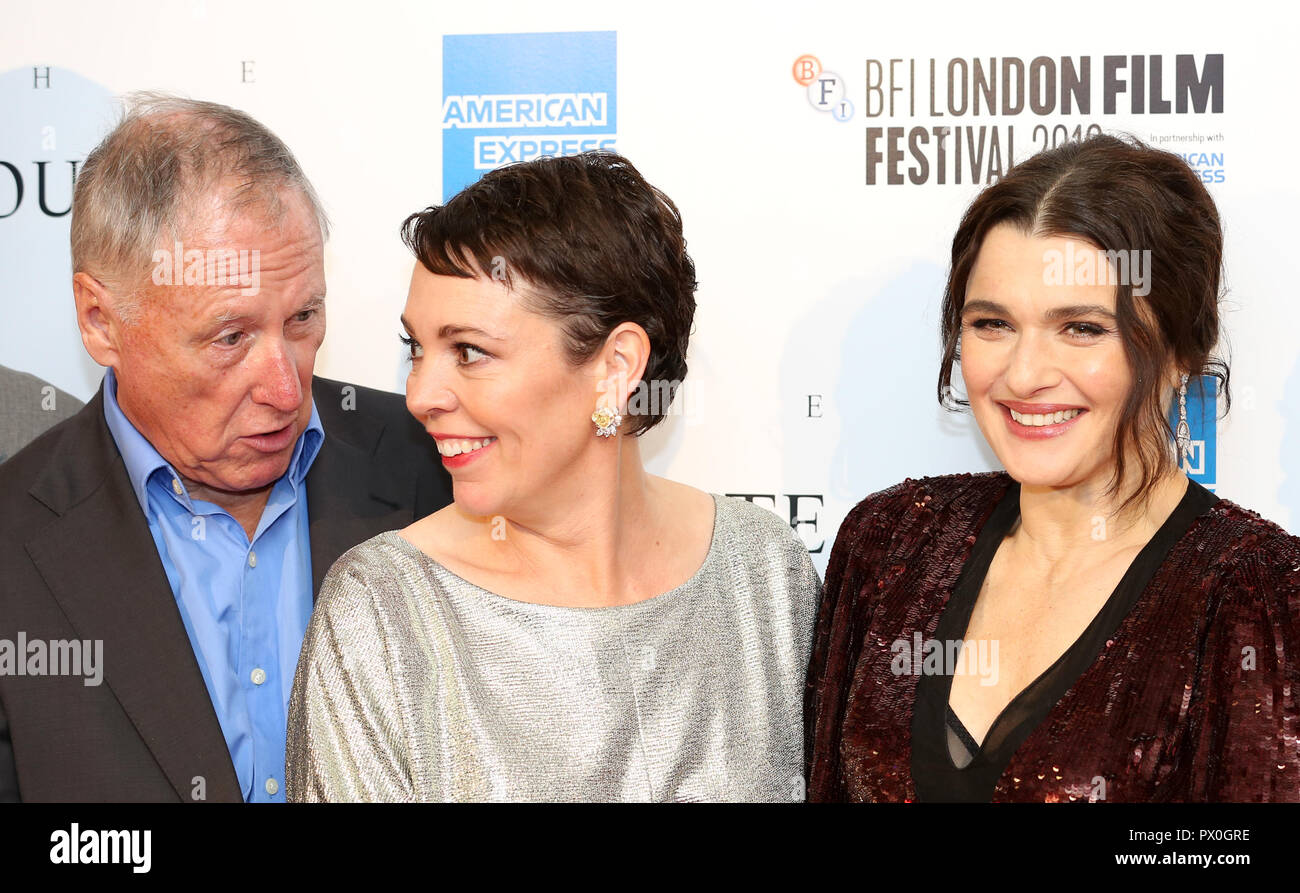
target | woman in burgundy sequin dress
[{"x": 1090, "y": 624}]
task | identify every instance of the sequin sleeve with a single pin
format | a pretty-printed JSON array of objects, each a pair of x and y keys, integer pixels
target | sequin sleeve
[
  {"x": 345, "y": 743},
  {"x": 1251, "y": 749},
  {"x": 860, "y": 540}
]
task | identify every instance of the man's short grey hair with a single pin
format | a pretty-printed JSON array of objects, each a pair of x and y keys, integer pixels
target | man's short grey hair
[{"x": 140, "y": 187}]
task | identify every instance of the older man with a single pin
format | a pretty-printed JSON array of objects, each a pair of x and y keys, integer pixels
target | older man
[{"x": 161, "y": 549}]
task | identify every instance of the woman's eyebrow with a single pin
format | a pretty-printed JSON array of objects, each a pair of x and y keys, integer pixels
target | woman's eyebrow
[
  {"x": 983, "y": 306},
  {"x": 453, "y": 331},
  {"x": 1057, "y": 314}
]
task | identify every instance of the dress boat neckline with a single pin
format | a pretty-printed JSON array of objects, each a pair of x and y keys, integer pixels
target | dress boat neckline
[{"x": 710, "y": 558}]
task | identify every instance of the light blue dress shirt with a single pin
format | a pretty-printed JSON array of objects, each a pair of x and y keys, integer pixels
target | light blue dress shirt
[{"x": 245, "y": 604}]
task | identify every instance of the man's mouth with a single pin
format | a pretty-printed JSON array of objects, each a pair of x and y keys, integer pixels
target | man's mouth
[{"x": 272, "y": 441}]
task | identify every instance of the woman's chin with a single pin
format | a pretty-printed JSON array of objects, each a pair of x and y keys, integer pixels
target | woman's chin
[
  {"x": 473, "y": 499},
  {"x": 1033, "y": 474}
]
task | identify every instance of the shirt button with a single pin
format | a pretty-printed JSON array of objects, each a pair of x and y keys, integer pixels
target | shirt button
[
  {"x": 258, "y": 676},
  {"x": 272, "y": 786},
  {"x": 252, "y": 559},
  {"x": 176, "y": 487}
]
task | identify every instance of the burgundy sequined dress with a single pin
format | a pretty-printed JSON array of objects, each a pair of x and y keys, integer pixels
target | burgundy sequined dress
[{"x": 1183, "y": 688}]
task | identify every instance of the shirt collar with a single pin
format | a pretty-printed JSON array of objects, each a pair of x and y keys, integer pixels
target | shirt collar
[{"x": 143, "y": 461}]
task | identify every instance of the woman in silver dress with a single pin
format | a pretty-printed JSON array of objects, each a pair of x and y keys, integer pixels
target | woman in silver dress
[{"x": 571, "y": 627}]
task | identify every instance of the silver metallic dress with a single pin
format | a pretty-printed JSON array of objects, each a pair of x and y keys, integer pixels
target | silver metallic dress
[{"x": 414, "y": 684}]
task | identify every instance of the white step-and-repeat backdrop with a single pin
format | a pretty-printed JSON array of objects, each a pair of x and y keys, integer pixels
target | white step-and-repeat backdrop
[{"x": 821, "y": 155}]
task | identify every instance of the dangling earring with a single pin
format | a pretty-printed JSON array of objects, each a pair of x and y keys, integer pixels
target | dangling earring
[
  {"x": 607, "y": 421},
  {"x": 1184, "y": 432}
]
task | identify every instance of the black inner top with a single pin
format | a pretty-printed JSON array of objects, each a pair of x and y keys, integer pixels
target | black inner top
[{"x": 947, "y": 763}]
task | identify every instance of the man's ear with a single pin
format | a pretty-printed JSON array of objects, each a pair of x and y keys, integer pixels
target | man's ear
[
  {"x": 97, "y": 319},
  {"x": 623, "y": 362}
]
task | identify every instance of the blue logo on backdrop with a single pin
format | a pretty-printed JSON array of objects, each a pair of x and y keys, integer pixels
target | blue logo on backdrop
[
  {"x": 516, "y": 97},
  {"x": 1202, "y": 412},
  {"x": 1207, "y": 165}
]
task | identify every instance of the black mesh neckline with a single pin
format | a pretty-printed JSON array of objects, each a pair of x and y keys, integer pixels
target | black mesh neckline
[{"x": 934, "y": 772}]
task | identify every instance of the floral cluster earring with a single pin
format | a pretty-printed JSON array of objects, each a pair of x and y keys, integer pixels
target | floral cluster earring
[
  {"x": 607, "y": 421},
  {"x": 1184, "y": 433}
]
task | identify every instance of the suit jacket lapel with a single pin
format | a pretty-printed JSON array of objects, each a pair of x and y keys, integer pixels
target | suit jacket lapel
[
  {"x": 351, "y": 497},
  {"x": 100, "y": 562}
]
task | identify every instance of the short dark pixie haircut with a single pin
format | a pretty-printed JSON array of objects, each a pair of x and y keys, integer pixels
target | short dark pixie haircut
[
  {"x": 595, "y": 246},
  {"x": 1120, "y": 195}
]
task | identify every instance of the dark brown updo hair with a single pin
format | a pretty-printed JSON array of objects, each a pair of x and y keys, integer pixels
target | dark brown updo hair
[
  {"x": 595, "y": 246},
  {"x": 1119, "y": 195}
]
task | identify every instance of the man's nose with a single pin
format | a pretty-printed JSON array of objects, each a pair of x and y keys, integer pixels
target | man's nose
[{"x": 278, "y": 384}]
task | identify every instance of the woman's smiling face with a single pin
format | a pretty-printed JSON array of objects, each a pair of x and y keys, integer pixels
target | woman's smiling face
[
  {"x": 490, "y": 381},
  {"x": 1043, "y": 364}
]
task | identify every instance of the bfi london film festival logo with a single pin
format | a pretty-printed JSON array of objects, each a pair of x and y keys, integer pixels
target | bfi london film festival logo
[
  {"x": 825, "y": 89},
  {"x": 959, "y": 120},
  {"x": 517, "y": 97}
]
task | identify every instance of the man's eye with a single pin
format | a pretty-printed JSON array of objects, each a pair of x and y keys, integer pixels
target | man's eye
[
  {"x": 231, "y": 340},
  {"x": 304, "y": 315}
]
